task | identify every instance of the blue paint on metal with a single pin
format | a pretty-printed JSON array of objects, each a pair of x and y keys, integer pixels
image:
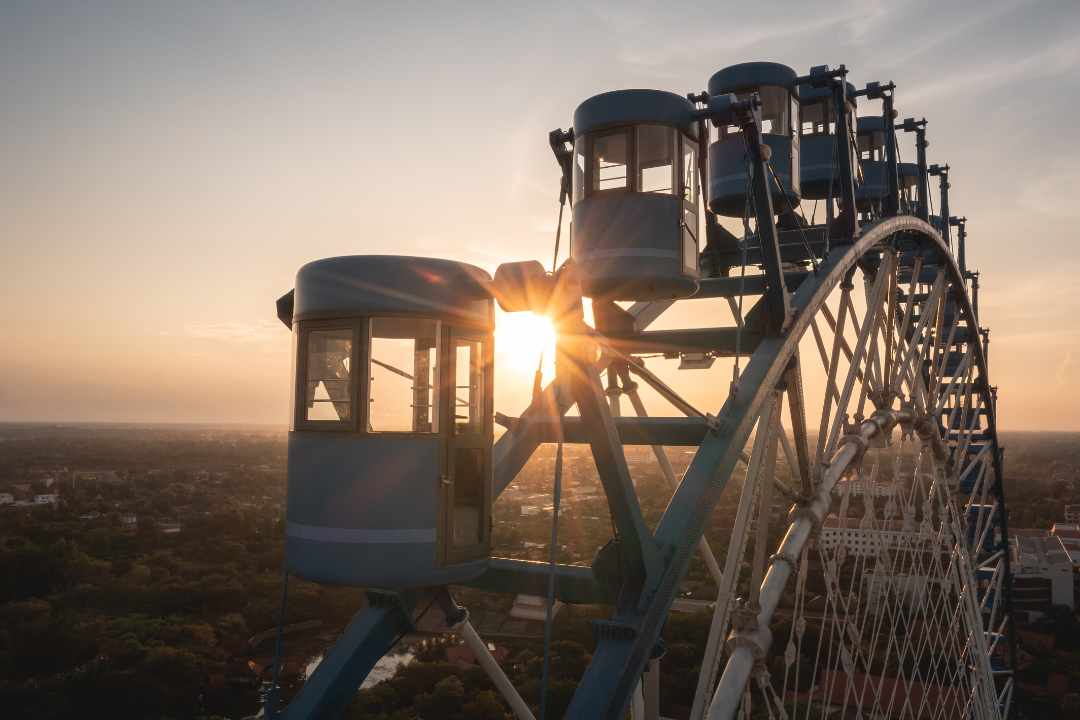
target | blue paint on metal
[
  {"x": 634, "y": 107},
  {"x": 356, "y": 285},
  {"x": 749, "y": 76},
  {"x": 362, "y": 510},
  {"x": 629, "y": 245},
  {"x": 728, "y": 180},
  {"x": 635, "y": 234},
  {"x": 370, "y": 635}
]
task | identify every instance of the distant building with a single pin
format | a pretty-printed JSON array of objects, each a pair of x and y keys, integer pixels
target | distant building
[
  {"x": 866, "y": 538},
  {"x": 7, "y": 499},
  {"x": 863, "y": 487},
  {"x": 169, "y": 528},
  {"x": 835, "y": 690},
  {"x": 129, "y": 520},
  {"x": 1072, "y": 513},
  {"x": 533, "y": 607},
  {"x": 462, "y": 655},
  {"x": 911, "y": 591},
  {"x": 1042, "y": 574},
  {"x": 1069, "y": 534},
  {"x": 108, "y": 477},
  {"x": 46, "y": 499}
]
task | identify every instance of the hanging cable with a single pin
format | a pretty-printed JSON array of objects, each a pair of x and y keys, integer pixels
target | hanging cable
[
  {"x": 564, "y": 193},
  {"x": 749, "y": 199},
  {"x": 834, "y": 153},
  {"x": 549, "y": 614},
  {"x": 791, "y": 208},
  {"x": 558, "y": 230},
  {"x": 272, "y": 697}
]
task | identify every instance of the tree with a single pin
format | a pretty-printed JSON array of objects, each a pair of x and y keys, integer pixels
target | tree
[{"x": 485, "y": 706}]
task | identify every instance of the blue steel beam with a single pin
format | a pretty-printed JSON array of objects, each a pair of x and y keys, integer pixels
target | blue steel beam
[
  {"x": 721, "y": 341},
  {"x": 734, "y": 286},
  {"x": 574, "y": 584},
  {"x": 370, "y": 635},
  {"x": 674, "y": 431},
  {"x": 575, "y": 363},
  {"x": 517, "y": 445}
]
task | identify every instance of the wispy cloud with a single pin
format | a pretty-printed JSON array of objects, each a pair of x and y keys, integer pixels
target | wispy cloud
[
  {"x": 231, "y": 332},
  {"x": 1066, "y": 371},
  {"x": 1052, "y": 61}
]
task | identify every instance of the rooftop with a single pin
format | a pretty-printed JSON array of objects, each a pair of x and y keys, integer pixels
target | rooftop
[{"x": 1041, "y": 553}]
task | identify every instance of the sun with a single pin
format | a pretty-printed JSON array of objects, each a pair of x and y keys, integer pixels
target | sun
[{"x": 520, "y": 338}]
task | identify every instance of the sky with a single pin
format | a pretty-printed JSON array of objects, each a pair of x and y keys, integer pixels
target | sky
[{"x": 167, "y": 167}]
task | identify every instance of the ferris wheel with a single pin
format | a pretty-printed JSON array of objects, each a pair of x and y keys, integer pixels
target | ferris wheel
[{"x": 858, "y": 421}]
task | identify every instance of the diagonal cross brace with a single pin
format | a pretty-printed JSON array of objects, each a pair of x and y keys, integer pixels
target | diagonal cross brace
[{"x": 371, "y": 633}]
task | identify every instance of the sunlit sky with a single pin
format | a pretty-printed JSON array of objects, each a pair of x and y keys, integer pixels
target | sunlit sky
[{"x": 166, "y": 168}]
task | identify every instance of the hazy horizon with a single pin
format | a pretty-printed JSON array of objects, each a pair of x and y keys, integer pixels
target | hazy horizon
[{"x": 169, "y": 168}]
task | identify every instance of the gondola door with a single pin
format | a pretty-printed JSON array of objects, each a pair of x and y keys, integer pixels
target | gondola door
[{"x": 467, "y": 519}]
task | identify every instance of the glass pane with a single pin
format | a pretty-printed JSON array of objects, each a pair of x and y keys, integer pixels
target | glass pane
[
  {"x": 689, "y": 171},
  {"x": 609, "y": 161},
  {"x": 579, "y": 168},
  {"x": 656, "y": 158},
  {"x": 328, "y": 390},
  {"x": 469, "y": 478},
  {"x": 813, "y": 116},
  {"x": 468, "y": 385},
  {"x": 402, "y": 371},
  {"x": 689, "y": 238},
  {"x": 775, "y": 110}
]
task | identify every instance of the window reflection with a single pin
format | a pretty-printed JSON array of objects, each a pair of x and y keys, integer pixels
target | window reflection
[
  {"x": 656, "y": 158},
  {"x": 328, "y": 386},
  {"x": 402, "y": 375},
  {"x": 610, "y": 161},
  {"x": 468, "y": 385}
]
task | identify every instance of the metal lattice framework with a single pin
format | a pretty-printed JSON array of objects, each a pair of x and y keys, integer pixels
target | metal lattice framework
[{"x": 863, "y": 366}]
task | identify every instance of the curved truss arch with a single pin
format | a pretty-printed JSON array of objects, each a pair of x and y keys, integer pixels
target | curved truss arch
[{"x": 907, "y": 410}]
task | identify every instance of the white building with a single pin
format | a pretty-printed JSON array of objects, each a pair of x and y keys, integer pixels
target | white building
[
  {"x": 863, "y": 538},
  {"x": 46, "y": 499},
  {"x": 1041, "y": 562},
  {"x": 861, "y": 486},
  {"x": 533, "y": 607},
  {"x": 911, "y": 590},
  {"x": 7, "y": 499},
  {"x": 1069, "y": 534}
]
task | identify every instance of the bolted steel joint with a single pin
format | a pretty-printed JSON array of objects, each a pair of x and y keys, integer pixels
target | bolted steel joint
[
  {"x": 714, "y": 423},
  {"x": 757, "y": 641},
  {"x": 803, "y": 510},
  {"x": 860, "y": 444},
  {"x": 793, "y": 563}
]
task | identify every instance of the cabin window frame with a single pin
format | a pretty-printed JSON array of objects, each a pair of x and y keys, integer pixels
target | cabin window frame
[
  {"x": 592, "y": 182},
  {"x": 689, "y": 199},
  {"x": 585, "y": 183},
  {"x": 437, "y": 392},
  {"x": 300, "y": 376}
]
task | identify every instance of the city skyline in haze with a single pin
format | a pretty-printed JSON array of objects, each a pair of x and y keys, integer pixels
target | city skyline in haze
[{"x": 168, "y": 169}]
